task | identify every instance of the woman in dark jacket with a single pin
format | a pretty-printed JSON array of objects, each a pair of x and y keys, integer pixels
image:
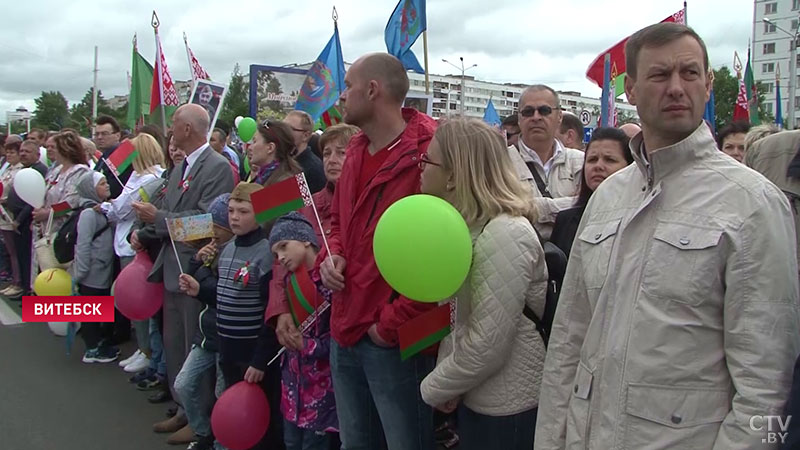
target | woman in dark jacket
[{"x": 606, "y": 153}]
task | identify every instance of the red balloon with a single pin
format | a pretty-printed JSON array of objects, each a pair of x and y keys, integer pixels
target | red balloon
[
  {"x": 241, "y": 416},
  {"x": 135, "y": 297}
]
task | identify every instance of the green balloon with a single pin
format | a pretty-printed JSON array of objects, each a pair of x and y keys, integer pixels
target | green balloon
[
  {"x": 423, "y": 248},
  {"x": 247, "y": 129}
]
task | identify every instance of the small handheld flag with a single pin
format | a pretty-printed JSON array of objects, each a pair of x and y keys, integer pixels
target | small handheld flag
[
  {"x": 280, "y": 198},
  {"x": 425, "y": 330},
  {"x": 122, "y": 157},
  {"x": 192, "y": 228},
  {"x": 302, "y": 296}
]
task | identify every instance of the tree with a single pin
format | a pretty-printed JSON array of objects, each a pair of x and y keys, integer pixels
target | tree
[
  {"x": 726, "y": 89},
  {"x": 51, "y": 111},
  {"x": 236, "y": 100},
  {"x": 81, "y": 112}
]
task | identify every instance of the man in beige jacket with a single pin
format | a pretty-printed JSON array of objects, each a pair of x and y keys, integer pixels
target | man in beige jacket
[{"x": 678, "y": 322}]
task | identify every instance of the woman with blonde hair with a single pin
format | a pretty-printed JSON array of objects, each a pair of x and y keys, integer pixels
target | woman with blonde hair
[
  {"x": 147, "y": 167},
  {"x": 490, "y": 367}
]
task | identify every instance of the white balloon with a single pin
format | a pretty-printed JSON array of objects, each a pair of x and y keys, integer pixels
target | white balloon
[
  {"x": 237, "y": 120},
  {"x": 60, "y": 328},
  {"x": 30, "y": 186}
]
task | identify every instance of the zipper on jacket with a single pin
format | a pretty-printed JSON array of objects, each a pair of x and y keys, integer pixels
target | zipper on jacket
[
  {"x": 375, "y": 205},
  {"x": 200, "y": 327}
]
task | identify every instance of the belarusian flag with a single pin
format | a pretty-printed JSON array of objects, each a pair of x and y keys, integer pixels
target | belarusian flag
[
  {"x": 424, "y": 330},
  {"x": 122, "y": 157},
  {"x": 61, "y": 209},
  {"x": 752, "y": 92},
  {"x": 595, "y": 70},
  {"x": 280, "y": 198},
  {"x": 329, "y": 118},
  {"x": 302, "y": 296},
  {"x": 163, "y": 93},
  {"x": 139, "y": 98}
]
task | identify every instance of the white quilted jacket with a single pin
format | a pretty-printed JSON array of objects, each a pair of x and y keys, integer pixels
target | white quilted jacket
[{"x": 496, "y": 367}]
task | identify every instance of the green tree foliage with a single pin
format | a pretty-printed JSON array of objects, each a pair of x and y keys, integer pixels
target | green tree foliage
[
  {"x": 51, "y": 111},
  {"x": 81, "y": 112},
  {"x": 726, "y": 89},
  {"x": 236, "y": 100}
]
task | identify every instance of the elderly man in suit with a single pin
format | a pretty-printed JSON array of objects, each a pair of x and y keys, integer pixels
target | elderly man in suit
[{"x": 204, "y": 175}]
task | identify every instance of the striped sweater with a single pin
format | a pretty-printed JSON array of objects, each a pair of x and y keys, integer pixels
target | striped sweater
[{"x": 242, "y": 295}]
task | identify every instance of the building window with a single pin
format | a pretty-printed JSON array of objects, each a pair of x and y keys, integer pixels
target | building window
[
  {"x": 795, "y": 5},
  {"x": 768, "y": 107},
  {"x": 770, "y": 8},
  {"x": 795, "y": 23},
  {"x": 769, "y": 27},
  {"x": 768, "y": 68},
  {"x": 768, "y": 87},
  {"x": 769, "y": 48}
]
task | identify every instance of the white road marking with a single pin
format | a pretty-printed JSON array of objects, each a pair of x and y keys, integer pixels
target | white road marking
[{"x": 7, "y": 315}]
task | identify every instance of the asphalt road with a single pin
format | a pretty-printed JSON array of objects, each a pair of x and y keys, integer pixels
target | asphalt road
[{"x": 51, "y": 401}]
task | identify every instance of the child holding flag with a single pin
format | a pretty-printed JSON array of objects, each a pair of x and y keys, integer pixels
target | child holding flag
[{"x": 307, "y": 400}]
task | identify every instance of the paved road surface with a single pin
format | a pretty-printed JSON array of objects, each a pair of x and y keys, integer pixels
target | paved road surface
[{"x": 51, "y": 401}]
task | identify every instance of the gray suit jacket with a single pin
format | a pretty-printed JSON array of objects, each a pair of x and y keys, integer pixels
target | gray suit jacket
[{"x": 210, "y": 177}]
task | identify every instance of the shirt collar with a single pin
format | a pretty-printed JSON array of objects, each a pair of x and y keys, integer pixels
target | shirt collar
[
  {"x": 530, "y": 155},
  {"x": 661, "y": 162},
  {"x": 190, "y": 159}
]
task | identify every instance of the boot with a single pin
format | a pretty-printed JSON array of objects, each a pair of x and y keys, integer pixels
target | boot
[
  {"x": 170, "y": 425},
  {"x": 183, "y": 436}
]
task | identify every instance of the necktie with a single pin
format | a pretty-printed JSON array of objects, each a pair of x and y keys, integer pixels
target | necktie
[{"x": 183, "y": 168}]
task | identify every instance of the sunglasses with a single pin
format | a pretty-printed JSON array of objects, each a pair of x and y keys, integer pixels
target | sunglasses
[
  {"x": 529, "y": 111},
  {"x": 423, "y": 161}
]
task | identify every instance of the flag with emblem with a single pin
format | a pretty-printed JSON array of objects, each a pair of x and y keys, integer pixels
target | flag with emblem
[
  {"x": 324, "y": 80},
  {"x": 280, "y": 198},
  {"x": 426, "y": 329},
  {"x": 162, "y": 92},
  {"x": 61, "y": 209},
  {"x": 329, "y": 118},
  {"x": 406, "y": 24},
  {"x": 122, "y": 157},
  {"x": 198, "y": 72},
  {"x": 302, "y": 294}
]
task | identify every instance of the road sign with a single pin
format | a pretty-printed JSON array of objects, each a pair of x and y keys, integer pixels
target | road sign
[
  {"x": 586, "y": 117},
  {"x": 587, "y": 134}
]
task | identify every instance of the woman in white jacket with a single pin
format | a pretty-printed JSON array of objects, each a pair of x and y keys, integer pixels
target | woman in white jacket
[
  {"x": 490, "y": 368},
  {"x": 147, "y": 167}
]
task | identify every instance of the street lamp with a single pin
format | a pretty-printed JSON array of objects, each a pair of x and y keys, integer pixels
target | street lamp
[
  {"x": 462, "y": 69},
  {"x": 792, "y": 68}
]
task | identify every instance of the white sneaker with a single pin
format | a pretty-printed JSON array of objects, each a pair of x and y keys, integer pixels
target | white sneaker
[
  {"x": 130, "y": 359},
  {"x": 138, "y": 364}
]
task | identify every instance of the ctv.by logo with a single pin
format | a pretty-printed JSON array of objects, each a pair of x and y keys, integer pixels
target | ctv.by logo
[{"x": 777, "y": 427}]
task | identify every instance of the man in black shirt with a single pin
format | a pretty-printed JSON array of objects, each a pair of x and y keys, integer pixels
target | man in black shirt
[
  {"x": 302, "y": 126},
  {"x": 106, "y": 138}
]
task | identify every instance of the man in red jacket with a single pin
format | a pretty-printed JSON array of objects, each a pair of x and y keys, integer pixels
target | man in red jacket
[{"x": 381, "y": 168}]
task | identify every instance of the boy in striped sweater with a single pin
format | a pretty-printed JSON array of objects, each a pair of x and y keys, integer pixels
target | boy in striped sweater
[{"x": 246, "y": 342}]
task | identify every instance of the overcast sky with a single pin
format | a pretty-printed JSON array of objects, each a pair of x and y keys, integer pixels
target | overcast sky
[{"x": 50, "y": 44}]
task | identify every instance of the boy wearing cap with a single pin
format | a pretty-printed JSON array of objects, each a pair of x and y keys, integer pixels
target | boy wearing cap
[
  {"x": 246, "y": 343},
  {"x": 204, "y": 356},
  {"x": 307, "y": 400}
]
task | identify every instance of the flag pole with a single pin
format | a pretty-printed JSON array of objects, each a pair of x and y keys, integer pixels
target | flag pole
[
  {"x": 685, "y": 20},
  {"x": 604, "y": 103},
  {"x": 425, "y": 50},
  {"x": 160, "y": 68},
  {"x": 174, "y": 249},
  {"x": 189, "y": 58}
]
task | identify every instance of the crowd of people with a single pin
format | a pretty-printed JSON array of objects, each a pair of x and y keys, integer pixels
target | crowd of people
[{"x": 676, "y": 323}]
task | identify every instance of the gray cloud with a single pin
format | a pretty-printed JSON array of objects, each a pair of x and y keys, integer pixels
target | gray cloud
[{"x": 511, "y": 40}]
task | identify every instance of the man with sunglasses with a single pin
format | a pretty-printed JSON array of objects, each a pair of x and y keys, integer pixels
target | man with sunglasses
[
  {"x": 554, "y": 171},
  {"x": 511, "y": 126}
]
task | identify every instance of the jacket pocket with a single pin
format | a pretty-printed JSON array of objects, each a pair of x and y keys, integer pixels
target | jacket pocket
[
  {"x": 674, "y": 416},
  {"x": 597, "y": 239},
  {"x": 683, "y": 263},
  {"x": 580, "y": 405}
]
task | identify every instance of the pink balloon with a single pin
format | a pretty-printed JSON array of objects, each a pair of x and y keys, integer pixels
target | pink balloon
[
  {"x": 135, "y": 297},
  {"x": 241, "y": 416}
]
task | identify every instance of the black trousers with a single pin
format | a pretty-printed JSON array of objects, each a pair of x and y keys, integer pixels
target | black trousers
[
  {"x": 121, "y": 331},
  {"x": 24, "y": 246},
  {"x": 271, "y": 384},
  {"x": 94, "y": 332}
]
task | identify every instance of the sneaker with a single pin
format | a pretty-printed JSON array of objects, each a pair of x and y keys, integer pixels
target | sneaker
[
  {"x": 130, "y": 359},
  {"x": 99, "y": 354},
  {"x": 150, "y": 383},
  {"x": 202, "y": 443},
  {"x": 138, "y": 364},
  {"x": 12, "y": 291},
  {"x": 142, "y": 375}
]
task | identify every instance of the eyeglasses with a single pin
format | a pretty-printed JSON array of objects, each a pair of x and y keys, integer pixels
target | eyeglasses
[
  {"x": 511, "y": 135},
  {"x": 544, "y": 111},
  {"x": 423, "y": 161}
]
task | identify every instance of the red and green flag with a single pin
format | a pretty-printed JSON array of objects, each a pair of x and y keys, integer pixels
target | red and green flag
[
  {"x": 139, "y": 96},
  {"x": 424, "y": 330},
  {"x": 280, "y": 198},
  {"x": 329, "y": 118},
  {"x": 61, "y": 209},
  {"x": 302, "y": 296},
  {"x": 122, "y": 157}
]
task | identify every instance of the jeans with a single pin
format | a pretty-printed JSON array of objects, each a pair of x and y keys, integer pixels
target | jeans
[
  {"x": 480, "y": 432},
  {"x": 189, "y": 385},
  {"x": 373, "y": 387},
  {"x": 157, "y": 361},
  {"x": 297, "y": 438}
]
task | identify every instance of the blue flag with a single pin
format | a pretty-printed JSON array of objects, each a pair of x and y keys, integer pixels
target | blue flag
[
  {"x": 778, "y": 106},
  {"x": 490, "y": 116},
  {"x": 710, "y": 115},
  {"x": 404, "y": 27},
  {"x": 324, "y": 81}
]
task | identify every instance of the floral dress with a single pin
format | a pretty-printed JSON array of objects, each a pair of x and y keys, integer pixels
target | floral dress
[{"x": 307, "y": 387}]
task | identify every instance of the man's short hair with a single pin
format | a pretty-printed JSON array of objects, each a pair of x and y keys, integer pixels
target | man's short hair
[
  {"x": 221, "y": 133},
  {"x": 570, "y": 121},
  {"x": 305, "y": 119},
  {"x": 511, "y": 121},
  {"x": 389, "y": 71},
  {"x": 740, "y": 126},
  {"x": 30, "y": 143},
  {"x": 656, "y": 36},
  {"x": 37, "y": 133},
  {"x": 540, "y": 87},
  {"x": 108, "y": 120}
]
